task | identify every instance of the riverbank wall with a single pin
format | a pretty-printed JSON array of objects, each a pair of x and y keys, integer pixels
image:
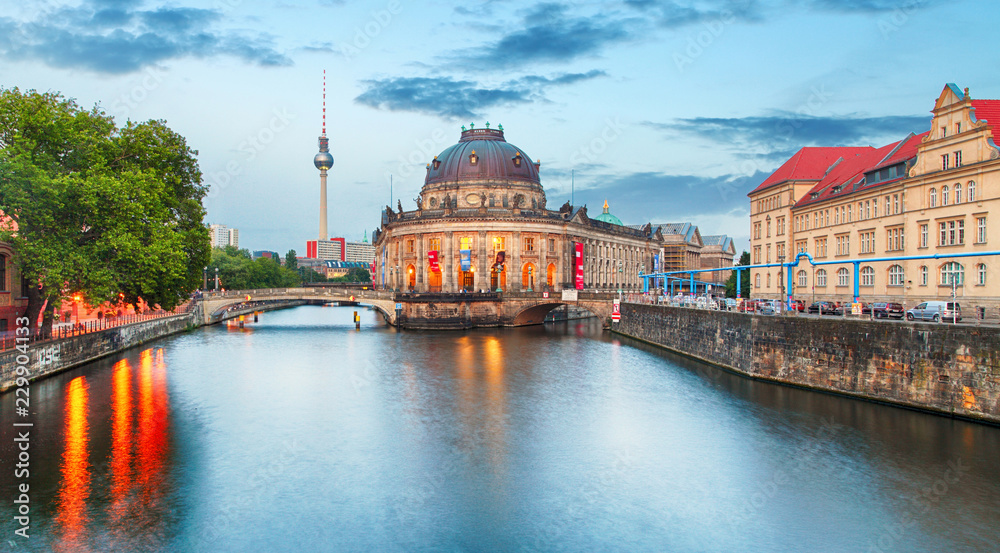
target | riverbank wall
[
  {"x": 53, "y": 356},
  {"x": 944, "y": 369}
]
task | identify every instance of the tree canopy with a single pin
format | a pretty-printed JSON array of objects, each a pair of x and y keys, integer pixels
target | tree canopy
[
  {"x": 238, "y": 271},
  {"x": 745, "y": 284},
  {"x": 104, "y": 211}
]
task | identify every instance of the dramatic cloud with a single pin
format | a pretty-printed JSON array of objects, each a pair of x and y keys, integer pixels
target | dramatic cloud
[
  {"x": 546, "y": 34},
  {"x": 449, "y": 98},
  {"x": 110, "y": 36},
  {"x": 670, "y": 15},
  {"x": 781, "y": 131}
]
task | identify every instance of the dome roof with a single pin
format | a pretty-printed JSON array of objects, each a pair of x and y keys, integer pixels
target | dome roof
[
  {"x": 607, "y": 217},
  {"x": 482, "y": 154}
]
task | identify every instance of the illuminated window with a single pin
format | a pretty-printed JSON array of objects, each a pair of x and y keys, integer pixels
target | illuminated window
[
  {"x": 409, "y": 246},
  {"x": 434, "y": 244},
  {"x": 465, "y": 243}
]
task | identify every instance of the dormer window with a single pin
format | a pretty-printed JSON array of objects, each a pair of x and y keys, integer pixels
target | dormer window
[
  {"x": 436, "y": 163},
  {"x": 517, "y": 159},
  {"x": 473, "y": 158}
]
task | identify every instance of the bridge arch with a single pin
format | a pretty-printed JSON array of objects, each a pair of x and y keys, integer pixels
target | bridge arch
[{"x": 535, "y": 314}]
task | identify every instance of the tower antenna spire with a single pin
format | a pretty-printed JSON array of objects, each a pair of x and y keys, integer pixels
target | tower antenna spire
[{"x": 324, "y": 102}]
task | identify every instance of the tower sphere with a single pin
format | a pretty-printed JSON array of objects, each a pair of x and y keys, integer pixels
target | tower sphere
[{"x": 323, "y": 161}]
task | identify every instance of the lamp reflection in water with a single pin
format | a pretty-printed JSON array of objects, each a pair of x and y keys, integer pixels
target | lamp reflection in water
[
  {"x": 121, "y": 446},
  {"x": 71, "y": 517},
  {"x": 151, "y": 446}
]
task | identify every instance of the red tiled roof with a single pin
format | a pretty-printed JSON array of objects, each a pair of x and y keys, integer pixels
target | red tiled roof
[
  {"x": 988, "y": 110},
  {"x": 906, "y": 151},
  {"x": 848, "y": 172},
  {"x": 809, "y": 163}
]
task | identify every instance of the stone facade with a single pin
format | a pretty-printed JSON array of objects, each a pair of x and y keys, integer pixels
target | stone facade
[
  {"x": 929, "y": 194},
  {"x": 946, "y": 369},
  {"x": 13, "y": 301}
]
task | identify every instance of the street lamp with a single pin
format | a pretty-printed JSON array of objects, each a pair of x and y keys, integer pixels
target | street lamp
[
  {"x": 529, "y": 279},
  {"x": 216, "y": 278},
  {"x": 621, "y": 272},
  {"x": 204, "y": 278}
]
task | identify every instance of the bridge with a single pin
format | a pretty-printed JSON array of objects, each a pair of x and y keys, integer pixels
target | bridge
[{"x": 416, "y": 310}]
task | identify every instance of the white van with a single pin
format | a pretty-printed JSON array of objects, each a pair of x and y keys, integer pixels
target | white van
[{"x": 936, "y": 311}]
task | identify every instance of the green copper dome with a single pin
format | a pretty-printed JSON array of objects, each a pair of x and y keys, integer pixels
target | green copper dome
[{"x": 607, "y": 217}]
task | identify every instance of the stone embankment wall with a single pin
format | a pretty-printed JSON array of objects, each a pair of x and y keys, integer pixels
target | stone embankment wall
[
  {"x": 946, "y": 369},
  {"x": 47, "y": 358}
]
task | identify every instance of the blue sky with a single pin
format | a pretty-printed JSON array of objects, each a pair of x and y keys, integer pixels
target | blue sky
[{"x": 672, "y": 110}]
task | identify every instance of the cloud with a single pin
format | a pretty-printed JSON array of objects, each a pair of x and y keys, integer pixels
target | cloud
[
  {"x": 781, "y": 132},
  {"x": 450, "y": 98},
  {"x": 108, "y": 36},
  {"x": 546, "y": 34},
  {"x": 670, "y": 15},
  {"x": 872, "y": 6}
]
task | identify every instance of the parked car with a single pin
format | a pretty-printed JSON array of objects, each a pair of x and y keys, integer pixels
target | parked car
[
  {"x": 798, "y": 305},
  {"x": 730, "y": 304},
  {"x": 935, "y": 311},
  {"x": 824, "y": 306},
  {"x": 887, "y": 310},
  {"x": 748, "y": 306}
]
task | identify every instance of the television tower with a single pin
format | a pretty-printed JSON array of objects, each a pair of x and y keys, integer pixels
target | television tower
[{"x": 323, "y": 161}]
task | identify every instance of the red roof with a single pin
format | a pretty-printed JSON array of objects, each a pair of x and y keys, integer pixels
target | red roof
[
  {"x": 848, "y": 172},
  {"x": 810, "y": 163},
  {"x": 988, "y": 110},
  {"x": 906, "y": 151}
]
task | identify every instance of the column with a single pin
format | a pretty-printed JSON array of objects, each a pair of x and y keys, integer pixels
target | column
[
  {"x": 482, "y": 263},
  {"x": 515, "y": 248},
  {"x": 421, "y": 264},
  {"x": 449, "y": 270}
]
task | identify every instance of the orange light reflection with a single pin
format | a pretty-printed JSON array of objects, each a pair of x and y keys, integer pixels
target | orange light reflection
[
  {"x": 71, "y": 514},
  {"x": 121, "y": 443}
]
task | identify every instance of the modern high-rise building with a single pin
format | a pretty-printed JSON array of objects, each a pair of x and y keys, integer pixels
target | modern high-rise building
[{"x": 221, "y": 236}]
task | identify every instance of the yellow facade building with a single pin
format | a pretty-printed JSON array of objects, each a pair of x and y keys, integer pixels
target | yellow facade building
[{"x": 928, "y": 194}]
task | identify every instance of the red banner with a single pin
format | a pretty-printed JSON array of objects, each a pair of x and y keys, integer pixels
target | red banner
[
  {"x": 578, "y": 262},
  {"x": 432, "y": 258}
]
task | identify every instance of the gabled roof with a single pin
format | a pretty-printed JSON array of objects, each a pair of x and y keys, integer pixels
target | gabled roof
[
  {"x": 846, "y": 175},
  {"x": 716, "y": 240},
  {"x": 687, "y": 230},
  {"x": 809, "y": 163}
]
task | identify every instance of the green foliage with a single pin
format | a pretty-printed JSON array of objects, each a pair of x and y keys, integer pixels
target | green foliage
[
  {"x": 99, "y": 210},
  {"x": 291, "y": 261},
  {"x": 354, "y": 275},
  {"x": 237, "y": 271},
  {"x": 745, "y": 284}
]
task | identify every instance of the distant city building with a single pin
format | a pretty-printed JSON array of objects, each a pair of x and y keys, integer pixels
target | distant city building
[
  {"x": 222, "y": 236},
  {"x": 717, "y": 252},
  {"x": 359, "y": 251},
  {"x": 332, "y": 249},
  {"x": 928, "y": 194},
  {"x": 268, "y": 254},
  {"x": 340, "y": 268}
]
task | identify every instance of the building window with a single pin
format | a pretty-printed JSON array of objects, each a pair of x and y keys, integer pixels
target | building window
[
  {"x": 958, "y": 193},
  {"x": 781, "y": 251},
  {"x": 850, "y": 214},
  {"x": 3, "y": 273},
  {"x": 836, "y": 215},
  {"x": 887, "y": 206},
  {"x": 952, "y": 233},
  {"x": 552, "y": 244},
  {"x": 896, "y": 275},
  {"x": 843, "y": 245},
  {"x": 868, "y": 209},
  {"x": 952, "y": 272},
  {"x": 923, "y": 236},
  {"x": 767, "y": 251},
  {"x": 923, "y": 275},
  {"x": 769, "y": 280},
  {"x": 981, "y": 274},
  {"x": 434, "y": 244},
  {"x": 867, "y": 276},
  {"x": 894, "y": 239},
  {"x": 958, "y": 158},
  {"x": 867, "y": 241},
  {"x": 529, "y": 244},
  {"x": 757, "y": 281},
  {"x": 933, "y": 198},
  {"x": 980, "y": 230},
  {"x": 821, "y": 277},
  {"x": 972, "y": 190},
  {"x": 843, "y": 277},
  {"x": 409, "y": 246},
  {"x": 465, "y": 243},
  {"x": 944, "y": 162},
  {"x": 499, "y": 244},
  {"x": 803, "y": 279},
  {"x": 944, "y": 195},
  {"x": 895, "y": 203}
]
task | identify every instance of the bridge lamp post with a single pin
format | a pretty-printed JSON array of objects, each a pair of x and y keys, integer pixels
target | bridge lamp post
[
  {"x": 530, "y": 279},
  {"x": 216, "y": 278},
  {"x": 621, "y": 274},
  {"x": 204, "y": 278}
]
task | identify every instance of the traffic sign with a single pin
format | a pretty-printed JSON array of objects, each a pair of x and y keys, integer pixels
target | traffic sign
[{"x": 616, "y": 311}]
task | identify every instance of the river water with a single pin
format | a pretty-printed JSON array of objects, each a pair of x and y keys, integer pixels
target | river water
[{"x": 304, "y": 434}]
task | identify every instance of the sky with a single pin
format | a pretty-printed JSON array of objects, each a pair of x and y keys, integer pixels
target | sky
[{"x": 672, "y": 110}]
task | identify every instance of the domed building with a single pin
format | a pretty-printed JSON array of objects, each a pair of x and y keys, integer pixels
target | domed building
[{"x": 481, "y": 223}]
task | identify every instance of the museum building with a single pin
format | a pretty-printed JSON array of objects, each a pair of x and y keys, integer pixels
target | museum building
[{"x": 482, "y": 223}]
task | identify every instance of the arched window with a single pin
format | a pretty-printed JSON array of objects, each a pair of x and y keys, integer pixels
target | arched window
[
  {"x": 923, "y": 275},
  {"x": 803, "y": 279},
  {"x": 972, "y": 190},
  {"x": 958, "y": 193},
  {"x": 756, "y": 283},
  {"x": 981, "y": 274},
  {"x": 550, "y": 275},
  {"x": 933, "y": 197},
  {"x": 821, "y": 277},
  {"x": 867, "y": 276},
  {"x": 896, "y": 275},
  {"x": 528, "y": 276},
  {"x": 843, "y": 277},
  {"x": 888, "y": 206},
  {"x": 952, "y": 272},
  {"x": 944, "y": 195}
]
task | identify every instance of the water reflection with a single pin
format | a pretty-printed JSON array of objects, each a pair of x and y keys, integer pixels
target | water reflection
[{"x": 72, "y": 517}]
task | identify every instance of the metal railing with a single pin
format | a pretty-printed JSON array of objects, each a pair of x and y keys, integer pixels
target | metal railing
[{"x": 60, "y": 331}]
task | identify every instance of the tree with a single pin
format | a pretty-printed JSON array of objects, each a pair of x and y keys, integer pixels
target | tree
[
  {"x": 745, "y": 280},
  {"x": 291, "y": 261},
  {"x": 237, "y": 271},
  {"x": 109, "y": 213}
]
